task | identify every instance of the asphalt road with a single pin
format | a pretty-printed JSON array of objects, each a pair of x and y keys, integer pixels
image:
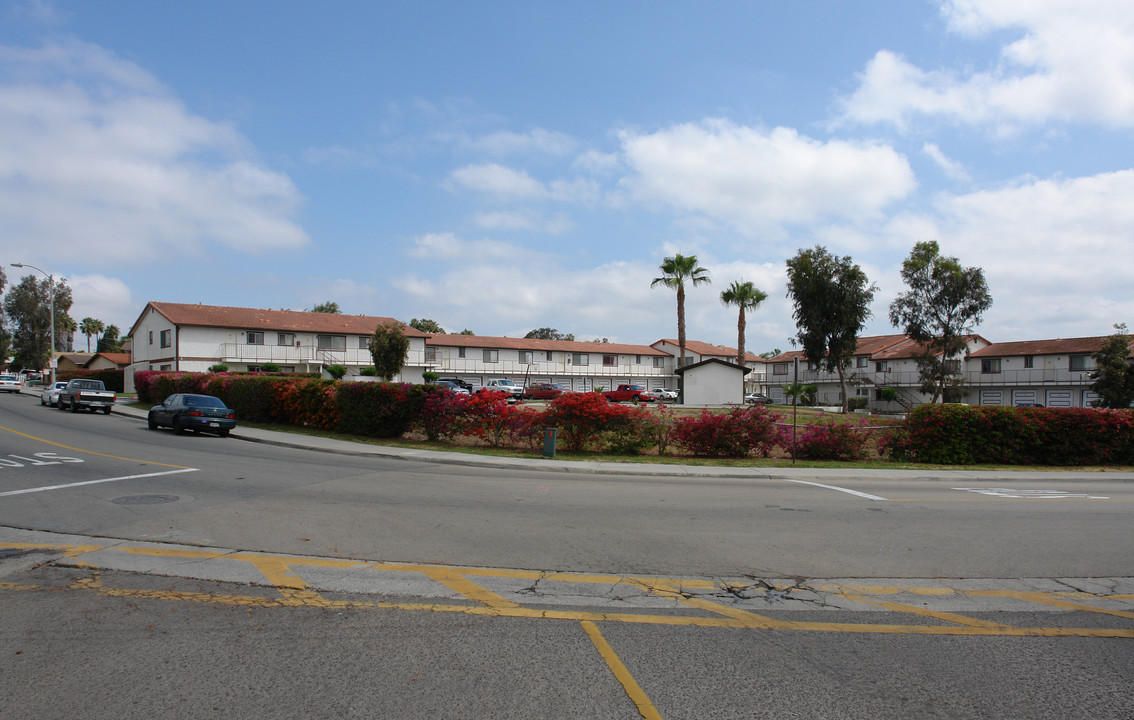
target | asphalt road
[{"x": 430, "y": 590}]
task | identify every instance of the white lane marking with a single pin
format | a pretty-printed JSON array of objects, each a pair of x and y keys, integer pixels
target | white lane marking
[
  {"x": 95, "y": 482},
  {"x": 834, "y": 487},
  {"x": 1032, "y": 494}
]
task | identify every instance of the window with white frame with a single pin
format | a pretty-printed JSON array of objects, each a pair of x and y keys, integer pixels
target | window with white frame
[
  {"x": 430, "y": 354},
  {"x": 286, "y": 339},
  {"x": 363, "y": 343},
  {"x": 862, "y": 361},
  {"x": 330, "y": 342},
  {"x": 254, "y": 337},
  {"x": 581, "y": 358},
  {"x": 526, "y": 357},
  {"x": 659, "y": 362},
  {"x": 490, "y": 356}
]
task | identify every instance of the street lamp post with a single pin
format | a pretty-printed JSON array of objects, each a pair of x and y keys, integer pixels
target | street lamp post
[{"x": 51, "y": 297}]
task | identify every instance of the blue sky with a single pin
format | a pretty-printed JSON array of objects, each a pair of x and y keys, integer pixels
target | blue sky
[{"x": 505, "y": 166}]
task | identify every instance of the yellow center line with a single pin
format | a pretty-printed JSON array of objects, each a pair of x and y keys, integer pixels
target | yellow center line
[
  {"x": 92, "y": 452},
  {"x": 645, "y": 708}
]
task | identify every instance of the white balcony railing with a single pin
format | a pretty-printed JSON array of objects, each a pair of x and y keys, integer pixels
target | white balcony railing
[
  {"x": 309, "y": 355},
  {"x": 969, "y": 378},
  {"x": 476, "y": 366}
]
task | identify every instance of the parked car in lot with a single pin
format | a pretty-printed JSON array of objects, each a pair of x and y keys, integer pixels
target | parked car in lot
[
  {"x": 543, "y": 391},
  {"x": 9, "y": 383},
  {"x": 666, "y": 394},
  {"x": 457, "y": 381},
  {"x": 757, "y": 399},
  {"x": 199, "y": 413},
  {"x": 50, "y": 396},
  {"x": 452, "y": 386},
  {"x": 633, "y": 393}
]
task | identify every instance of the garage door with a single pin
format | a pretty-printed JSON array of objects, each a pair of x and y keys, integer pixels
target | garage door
[{"x": 991, "y": 397}]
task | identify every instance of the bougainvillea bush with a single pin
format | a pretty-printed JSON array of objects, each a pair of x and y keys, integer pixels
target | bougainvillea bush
[
  {"x": 733, "y": 434},
  {"x": 829, "y": 441},
  {"x": 956, "y": 434}
]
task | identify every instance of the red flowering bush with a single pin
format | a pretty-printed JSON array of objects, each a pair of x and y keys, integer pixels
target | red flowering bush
[
  {"x": 732, "y": 434},
  {"x": 829, "y": 441},
  {"x": 487, "y": 413},
  {"x": 631, "y": 429},
  {"x": 307, "y": 402},
  {"x": 581, "y": 418},
  {"x": 444, "y": 415}
]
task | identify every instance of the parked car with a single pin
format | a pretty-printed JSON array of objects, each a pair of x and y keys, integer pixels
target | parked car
[
  {"x": 458, "y": 382},
  {"x": 50, "y": 396},
  {"x": 199, "y": 413},
  {"x": 666, "y": 394},
  {"x": 9, "y": 383},
  {"x": 757, "y": 399},
  {"x": 505, "y": 386},
  {"x": 633, "y": 393},
  {"x": 452, "y": 386},
  {"x": 30, "y": 376},
  {"x": 543, "y": 391}
]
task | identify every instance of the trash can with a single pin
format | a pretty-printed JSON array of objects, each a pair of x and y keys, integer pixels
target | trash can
[{"x": 549, "y": 437}]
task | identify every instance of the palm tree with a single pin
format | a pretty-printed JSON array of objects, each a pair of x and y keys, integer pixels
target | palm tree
[
  {"x": 676, "y": 271},
  {"x": 745, "y": 296},
  {"x": 90, "y": 326}
]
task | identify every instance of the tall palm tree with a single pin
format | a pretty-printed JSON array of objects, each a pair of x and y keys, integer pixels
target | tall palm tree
[
  {"x": 676, "y": 271},
  {"x": 745, "y": 296},
  {"x": 89, "y": 326}
]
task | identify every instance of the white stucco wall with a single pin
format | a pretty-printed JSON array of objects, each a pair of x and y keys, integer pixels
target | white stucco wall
[{"x": 714, "y": 384}]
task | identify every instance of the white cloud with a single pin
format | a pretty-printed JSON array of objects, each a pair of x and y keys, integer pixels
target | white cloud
[
  {"x": 102, "y": 298},
  {"x": 523, "y": 220},
  {"x": 1072, "y": 61},
  {"x": 94, "y": 152},
  {"x": 499, "y": 181},
  {"x": 950, "y": 167},
  {"x": 537, "y": 141},
  {"x": 751, "y": 178},
  {"x": 448, "y": 246}
]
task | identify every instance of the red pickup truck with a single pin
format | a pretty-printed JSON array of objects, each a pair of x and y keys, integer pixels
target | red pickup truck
[{"x": 634, "y": 393}]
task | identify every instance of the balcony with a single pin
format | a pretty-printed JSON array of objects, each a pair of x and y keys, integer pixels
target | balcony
[
  {"x": 970, "y": 378},
  {"x": 476, "y": 366},
  {"x": 304, "y": 355}
]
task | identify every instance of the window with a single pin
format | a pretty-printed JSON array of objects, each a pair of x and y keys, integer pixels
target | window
[
  {"x": 609, "y": 360},
  {"x": 255, "y": 337},
  {"x": 165, "y": 367},
  {"x": 1029, "y": 361},
  {"x": 990, "y": 366},
  {"x": 581, "y": 358},
  {"x": 430, "y": 354},
  {"x": 659, "y": 362},
  {"x": 1079, "y": 362},
  {"x": 880, "y": 367},
  {"x": 491, "y": 356},
  {"x": 364, "y": 343},
  {"x": 780, "y": 369},
  {"x": 953, "y": 366},
  {"x": 330, "y": 342},
  {"x": 549, "y": 356},
  {"x": 285, "y": 339},
  {"x": 525, "y": 357},
  {"x": 253, "y": 368},
  {"x": 862, "y": 361},
  {"x": 460, "y": 352},
  {"x": 151, "y": 337},
  {"x": 165, "y": 338},
  {"x": 637, "y": 359}
]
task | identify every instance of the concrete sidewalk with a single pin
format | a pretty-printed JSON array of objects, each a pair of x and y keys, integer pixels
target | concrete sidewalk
[{"x": 346, "y": 447}]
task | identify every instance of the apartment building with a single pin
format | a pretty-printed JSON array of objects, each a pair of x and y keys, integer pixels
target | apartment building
[{"x": 175, "y": 336}]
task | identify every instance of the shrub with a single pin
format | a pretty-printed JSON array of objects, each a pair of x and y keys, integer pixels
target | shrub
[
  {"x": 443, "y": 416},
  {"x": 857, "y": 403},
  {"x": 368, "y": 371},
  {"x": 428, "y": 376},
  {"x": 336, "y": 371},
  {"x": 113, "y": 378},
  {"x": 580, "y": 417},
  {"x": 384, "y": 410},
  {"x": 830, "y": 441},
  {"x": 630, "y": 430},
  {"x": 218, "y": 368},
  {"x": 487, "y": 414},
  {"x": 713, "y": 434},
  {"x": 269, "y": 368}
]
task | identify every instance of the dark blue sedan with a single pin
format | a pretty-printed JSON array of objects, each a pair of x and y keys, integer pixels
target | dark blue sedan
[{"x": 199, "y": 413}]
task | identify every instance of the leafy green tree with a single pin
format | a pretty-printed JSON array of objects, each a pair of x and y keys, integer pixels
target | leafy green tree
[
  {"x": 676, "y": 271},
  {"x": 547, "y": 333},
  {"x": 832, "y": 299},
  {"x": 388, "y": 347},
  {"x": 466, "y": 331},
  {"x": 28, "y": 306},
  {"x": 5, "y": 338},
  {"x": 426, "y": 325},
  {"x": 1113, "y": 375},
  {"x": 943, "y": 306},
  {"x": 330, "y": 307},
  {"x": 745, "y": 296},
  {"x": 90, "y": 326}
]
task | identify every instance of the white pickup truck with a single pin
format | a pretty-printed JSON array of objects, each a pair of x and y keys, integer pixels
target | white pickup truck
[
  {"x": 506, "y": 386},
  {"x": 89, "y": 394}
]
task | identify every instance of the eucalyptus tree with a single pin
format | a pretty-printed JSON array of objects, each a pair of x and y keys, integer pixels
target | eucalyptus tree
[
  {"x": 942, "y": 307},
  {"x": 744, "y": 296},
  {"x": 676, "y": 272},
  {"x": 832, "y": 297}
]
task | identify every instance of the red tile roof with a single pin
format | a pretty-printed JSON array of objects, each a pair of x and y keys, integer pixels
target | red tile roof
[
  {"x": 485, "y": 341},
  {"x": 710, "y": 350},
  {"x": 283, "y": 320},
  {"x": 1059, "y": 346}
]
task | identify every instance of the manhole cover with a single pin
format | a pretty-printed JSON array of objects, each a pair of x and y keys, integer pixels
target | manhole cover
[{"x": 145, "y": 499}]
